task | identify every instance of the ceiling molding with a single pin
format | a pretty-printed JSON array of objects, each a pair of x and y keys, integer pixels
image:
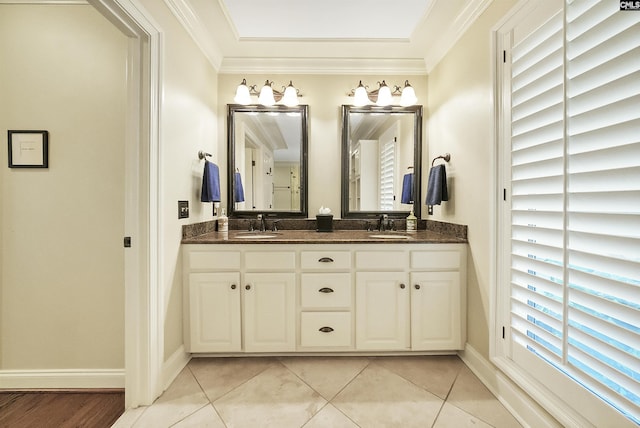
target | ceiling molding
[
  {"x": 198, "y": 32},
  {"x": 460, "y": 25},
  {"x": 45, "y": 2},
  {"x": 415, "y": 67}
]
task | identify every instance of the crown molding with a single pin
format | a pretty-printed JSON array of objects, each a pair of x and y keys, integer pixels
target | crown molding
[
  {"x": 198, "y": 32},
  {"x": 454, "y": 32},
  {"x": 233, "y": 65},
  {"x": 45, "y": 2},
  {"x": 342, "y": 66}
]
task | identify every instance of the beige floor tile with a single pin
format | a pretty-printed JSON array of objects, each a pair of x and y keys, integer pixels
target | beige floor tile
[
  {"x": 436, "y": 374},
  {"x": 470, "y": 395},
  {"x": 452, "y": 417},
  {"x": 330, "y": 417},
  {"x": 218, "y": 376},
  {"x": 274, "y": 398},
  {"x": 203, "y": 418},
  {"x": 180, "y": 400},
  {"x": 129, "y": 417},
  {"x": 327, "y": 375},
  {"x": 378, "y": 397}
]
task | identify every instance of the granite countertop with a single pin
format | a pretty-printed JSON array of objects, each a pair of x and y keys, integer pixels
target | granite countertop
[{"x": 437, "y": 233}]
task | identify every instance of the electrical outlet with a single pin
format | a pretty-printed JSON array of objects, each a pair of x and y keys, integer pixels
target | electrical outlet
[{"x": 183, "y": 209}]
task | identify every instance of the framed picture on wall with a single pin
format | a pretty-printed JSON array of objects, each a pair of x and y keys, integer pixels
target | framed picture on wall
[{"x": 28, "y": 149}]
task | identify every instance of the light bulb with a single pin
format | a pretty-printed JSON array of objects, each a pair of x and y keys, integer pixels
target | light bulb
[
  {"x": 290, "y": 97},
  {"x": 384, "y": 95},
  {"x": 408, "y": 97},
  {"x": 266, "y": 95},
  {"x": 360, "y": 97},
  {"x": 242, "y": 94}
]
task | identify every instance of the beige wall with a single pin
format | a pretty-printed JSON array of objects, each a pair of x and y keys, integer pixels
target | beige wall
[
  {"x": 188, "y": 124},
  {"x": 62, "y": 301},
  {"x": 460, "y": 105},
  {"x": 324, "y": 94}
]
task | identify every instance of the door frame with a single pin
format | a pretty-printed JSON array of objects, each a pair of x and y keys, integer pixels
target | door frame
[{"x": 144, "y": 332}]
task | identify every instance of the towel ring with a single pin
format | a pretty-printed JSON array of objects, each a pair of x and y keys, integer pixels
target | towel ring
[
  {"x": 446, "y": 157},
  {"x": 202, "y": 155}
]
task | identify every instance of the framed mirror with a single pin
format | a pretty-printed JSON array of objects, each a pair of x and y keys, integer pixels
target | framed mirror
[
  {"x": 267, "y": 161},
  {"x": 381, "y": 161}
]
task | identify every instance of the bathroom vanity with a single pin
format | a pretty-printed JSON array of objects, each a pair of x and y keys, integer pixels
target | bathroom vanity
[{"x": 307, "y": 292}]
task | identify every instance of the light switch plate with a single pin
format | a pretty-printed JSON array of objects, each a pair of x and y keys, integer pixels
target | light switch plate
[{"x": 183, "y": 209}]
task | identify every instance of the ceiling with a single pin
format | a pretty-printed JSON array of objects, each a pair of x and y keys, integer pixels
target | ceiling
[{"x": 326, "y": 36}]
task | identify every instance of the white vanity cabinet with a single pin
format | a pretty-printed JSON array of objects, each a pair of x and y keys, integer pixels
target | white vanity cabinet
[
  {"x": 326, "y": 316},
  {"x": 314, "y": 298}
]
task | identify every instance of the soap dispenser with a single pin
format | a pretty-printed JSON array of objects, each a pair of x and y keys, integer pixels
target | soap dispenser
[
  {"x": 223, "y": 222},
  {"x": 412, "y": 222}
]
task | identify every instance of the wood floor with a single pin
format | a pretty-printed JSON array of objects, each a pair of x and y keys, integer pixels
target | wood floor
[{"x": 60, "y": 409}]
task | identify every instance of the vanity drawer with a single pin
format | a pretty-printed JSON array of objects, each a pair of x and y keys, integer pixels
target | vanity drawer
[
  {"x": 320, "y": 329},
  {"x": 325, "y": 290},
  {"x": 220, "y": 260},
  {"x": 381, "y": 260},
  {"x": 270, "y": 260},
  {"x": 325, "y": 260},
  {"x": 440, "y": 260}
]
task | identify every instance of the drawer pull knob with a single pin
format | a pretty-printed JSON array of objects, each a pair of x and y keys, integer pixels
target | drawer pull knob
[
  {"x": 233, "y": 286},
  {"x": 326, "y": 290},
  {"x": 326, "y": 329},
  {"x": 325, "y": 260},
  {"x": 417, "y": 286},
  {"x": 247, "y": 287},
  {"x": 402, "y": 286}
]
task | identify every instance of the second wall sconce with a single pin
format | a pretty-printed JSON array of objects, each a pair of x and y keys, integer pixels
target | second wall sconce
[
  {"x": 383, "y": 96},
  {"x": 267, "y": 95}
]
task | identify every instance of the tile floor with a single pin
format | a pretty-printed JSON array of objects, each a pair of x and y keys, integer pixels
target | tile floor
[{"x": 324, "y": 392}]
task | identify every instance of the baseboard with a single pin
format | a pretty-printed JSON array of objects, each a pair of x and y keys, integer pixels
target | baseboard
[
  {"x": 526, "y": 410},
  {"x": 62, "y": 379},
  {"x": 173, "y": 366}
]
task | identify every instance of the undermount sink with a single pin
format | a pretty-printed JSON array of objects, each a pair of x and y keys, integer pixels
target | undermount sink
[
  {"x": 389, "y": 236},
  {"x": 255, "y": 236}
]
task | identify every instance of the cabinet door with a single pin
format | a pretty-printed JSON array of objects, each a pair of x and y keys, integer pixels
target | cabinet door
[
  {"x": 269, "y": 312},
  {"x": 436, "y": 313},
  {"x": 382, "y": 311},
  {"x": 214, "y": 312}
]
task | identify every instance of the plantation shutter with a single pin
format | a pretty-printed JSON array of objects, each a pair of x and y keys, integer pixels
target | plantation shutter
[
  {"x": 603, "y": 212},
  {"x": 387, "y": 168},
  {"x": 575, "y": 203}
]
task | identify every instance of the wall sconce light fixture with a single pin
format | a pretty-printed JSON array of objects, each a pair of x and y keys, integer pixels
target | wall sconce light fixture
[
  {"x": 383, "y": 96},
  {"x": 267, "y": 95}
]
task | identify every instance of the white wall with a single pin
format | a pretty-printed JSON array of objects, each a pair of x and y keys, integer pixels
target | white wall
[
  {"x": 460, "y": 105},
  {"x": 188, "y": 124},
  {"x": 324, "y": 94},
  {"x": 62, "y": 301}
]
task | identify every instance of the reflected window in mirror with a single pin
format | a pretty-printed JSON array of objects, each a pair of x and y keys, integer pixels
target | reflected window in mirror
[
  {"x": 381, "y": 161},
  {"x": 267, "y": 160}
]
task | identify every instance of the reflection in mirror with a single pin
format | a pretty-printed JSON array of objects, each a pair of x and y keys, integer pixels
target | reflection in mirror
[
  {"x": 267, "y": 165},
  {"x": 381, "y": 161}
]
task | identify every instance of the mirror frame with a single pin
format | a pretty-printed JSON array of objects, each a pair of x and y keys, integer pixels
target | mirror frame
[
  {"x": 416, "y": 110},
  {"x": 231, "y": 156}
]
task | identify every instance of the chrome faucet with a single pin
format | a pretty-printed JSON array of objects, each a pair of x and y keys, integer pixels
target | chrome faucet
[
  {"x": 263, "y": 222},
  {"x": 382, "y": 222}
]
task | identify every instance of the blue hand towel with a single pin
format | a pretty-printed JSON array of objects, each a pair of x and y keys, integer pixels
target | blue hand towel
[
  {"x": 238, "y": 190},
  {"x": 407, "y": 189},
  {"x": 210, "y": 183},
  {"x": 437, "y": 186}
]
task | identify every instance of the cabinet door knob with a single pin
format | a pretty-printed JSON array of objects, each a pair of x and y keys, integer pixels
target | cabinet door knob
[
  {"x": 326, "y": 290},
  {"x": 402, "y": 286},
  {"x": 247, "y": 287},
  {"x": 417, "y": 286},
  {"x": 326, "y": 329},
  {"x": 233, "y": 286},
  {"x": 325, "y": 260}
]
